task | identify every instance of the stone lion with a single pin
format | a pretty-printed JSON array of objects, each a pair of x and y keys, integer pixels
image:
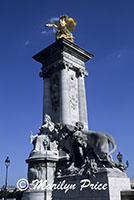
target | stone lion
[{"x": 100, "y": 143}]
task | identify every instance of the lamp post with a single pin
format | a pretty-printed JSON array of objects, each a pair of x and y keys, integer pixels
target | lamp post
[
  {"x": 7, "y": 163},
  {"x": 121, "y": 165}
]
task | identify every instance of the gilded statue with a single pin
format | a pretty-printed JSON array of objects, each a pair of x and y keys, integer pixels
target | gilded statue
[{"x": 63, "y": 27}]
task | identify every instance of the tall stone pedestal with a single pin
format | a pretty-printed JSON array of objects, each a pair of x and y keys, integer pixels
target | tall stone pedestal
[
  {"x": 107, "y": 185},
  {"x": 63, "y": 72},
  {"x": 64, "y": 101}
]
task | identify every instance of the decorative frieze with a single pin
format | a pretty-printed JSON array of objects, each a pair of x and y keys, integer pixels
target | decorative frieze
[{"x": 73, "y": 92}]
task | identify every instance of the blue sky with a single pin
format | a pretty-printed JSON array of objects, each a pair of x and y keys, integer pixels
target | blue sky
[{"x": 104, "y": 28}]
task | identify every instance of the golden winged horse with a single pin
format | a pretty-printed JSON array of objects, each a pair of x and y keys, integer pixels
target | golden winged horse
[{"x": 63, "y": 27}]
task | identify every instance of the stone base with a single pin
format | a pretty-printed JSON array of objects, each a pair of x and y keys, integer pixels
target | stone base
[
  {"x": 127, "y": 195},
  {"x": 36, "y": 195},
  {"x": 33, "y": 195},
  {"x": 107, "y": 185},
  {"x": 41, "y": 168}
]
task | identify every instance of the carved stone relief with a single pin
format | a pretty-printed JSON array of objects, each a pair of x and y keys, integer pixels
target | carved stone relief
[
  {"x": 36, "y": 171},
  {"x": 73, "y": 92},
  {"x": 54, "y": 90}
]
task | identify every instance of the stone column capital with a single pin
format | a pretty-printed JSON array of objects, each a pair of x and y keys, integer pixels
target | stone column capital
[
  {"x": 82, "y": 72},
  {"x": 47, "y": 71}
]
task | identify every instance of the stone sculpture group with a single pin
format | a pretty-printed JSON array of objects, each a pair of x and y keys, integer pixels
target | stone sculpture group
[
  {"x": 64, "y": 151},
  {"x": 88, "y": 151}
]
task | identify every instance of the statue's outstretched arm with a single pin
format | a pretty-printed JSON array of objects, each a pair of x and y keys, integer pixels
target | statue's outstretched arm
[{"x": 51, "y": 25}]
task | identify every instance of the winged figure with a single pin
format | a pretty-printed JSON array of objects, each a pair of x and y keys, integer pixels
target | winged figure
[{"x": 63, "y": 27}]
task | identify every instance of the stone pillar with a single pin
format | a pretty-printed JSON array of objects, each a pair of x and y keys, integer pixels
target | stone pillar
[
  {"x": 64, "y": 100},
  {"x": 64, "y": 103},
  {"x": 46, "y": 98},
  {"x": 63, "y": 69},
  {"x": 82, "y": 98},
  {"x": 63, "y": 73}
]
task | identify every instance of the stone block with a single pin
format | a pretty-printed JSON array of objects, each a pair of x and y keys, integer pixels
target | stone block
[
  {"x": 100, "y": 187},
  {"x": 127, "y": 195}
]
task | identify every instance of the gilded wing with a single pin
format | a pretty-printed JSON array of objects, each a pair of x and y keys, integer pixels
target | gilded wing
[{"x": 71, "y": 23}]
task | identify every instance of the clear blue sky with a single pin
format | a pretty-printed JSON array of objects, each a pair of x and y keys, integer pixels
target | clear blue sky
[{"x": 104, "y": 28}]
